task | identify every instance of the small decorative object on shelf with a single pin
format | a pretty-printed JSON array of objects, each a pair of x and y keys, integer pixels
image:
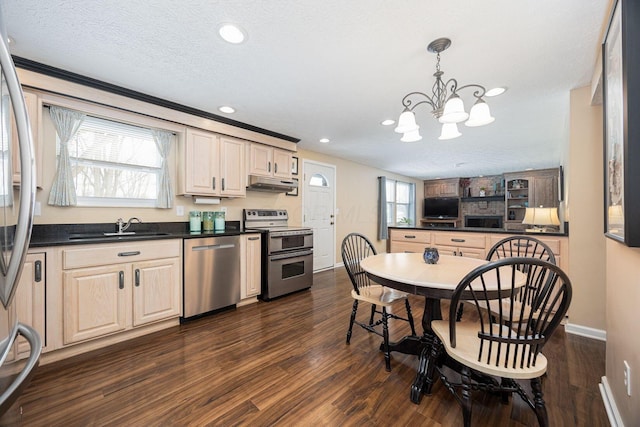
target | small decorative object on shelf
[
  {"x": 431, "y": 255},
  {"x": 512, "y": 215},
  {"x": 482, "y": 192}
]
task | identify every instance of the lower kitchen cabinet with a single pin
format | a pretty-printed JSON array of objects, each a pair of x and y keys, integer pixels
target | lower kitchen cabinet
[
  {"x": 28, "y": 306},
  {"x": 118, "y": 295},
  {"x": 469, "y": 245},
  {"x": 409, "y": 240},
  {"x": 250, "y": 265}
]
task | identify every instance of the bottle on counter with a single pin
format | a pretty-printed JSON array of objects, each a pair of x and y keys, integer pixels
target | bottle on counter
[
  {"x": 207, "y": 221},
  {"x": 195, "y": 221},
  {"x": 219, "y": 221}
]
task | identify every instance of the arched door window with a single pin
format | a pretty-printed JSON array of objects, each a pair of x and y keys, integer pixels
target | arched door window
[{"x": 318, "y": 180}]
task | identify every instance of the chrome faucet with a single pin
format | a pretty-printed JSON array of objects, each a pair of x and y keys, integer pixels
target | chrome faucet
[{"x": 122, "y": 226}]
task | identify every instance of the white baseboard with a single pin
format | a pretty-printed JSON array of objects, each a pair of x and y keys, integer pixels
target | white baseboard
[
  {"x": 610, "y": 404},
  {"x": 585, "y": 331}
]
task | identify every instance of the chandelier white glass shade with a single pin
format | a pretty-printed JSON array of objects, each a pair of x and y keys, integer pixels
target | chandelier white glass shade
[{"x": 446, "y": 105}]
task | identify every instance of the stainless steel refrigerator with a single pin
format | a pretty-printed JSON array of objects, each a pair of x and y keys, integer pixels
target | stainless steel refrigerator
[{"x": 16, "y": 219}]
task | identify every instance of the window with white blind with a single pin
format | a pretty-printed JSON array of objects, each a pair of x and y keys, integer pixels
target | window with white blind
[
  {"x": 114, "y": 164},
  {"x": 401, "y": 203}
]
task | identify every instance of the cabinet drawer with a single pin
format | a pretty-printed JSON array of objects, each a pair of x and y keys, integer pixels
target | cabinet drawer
[
  {"x": 462, "y": 240},
  {"x": 414, "y": 236},
  {"x": 113, "y": 253},
  {"x": 554, "y": 244},
  {"x": 398, "y": 246}
]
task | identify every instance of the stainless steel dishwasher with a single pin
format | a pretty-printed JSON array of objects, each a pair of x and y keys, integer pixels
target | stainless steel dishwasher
[{"x": 211, "y": 274}]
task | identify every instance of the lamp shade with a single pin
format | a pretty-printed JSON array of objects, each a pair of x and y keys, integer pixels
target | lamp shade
[
  {"x": 479, "y": 114},
  {"x": 616, "y": 216},
  {"x": 407, "y": 122},
  {"x": 449, "y": 131},
  {"x": 411, "y": 136},
  {"x": 541, "y": 216},
  {"x": 453, "y": 111}
]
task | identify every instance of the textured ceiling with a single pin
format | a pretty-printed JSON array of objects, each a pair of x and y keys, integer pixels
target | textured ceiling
[{"x": 336, "y": 68}]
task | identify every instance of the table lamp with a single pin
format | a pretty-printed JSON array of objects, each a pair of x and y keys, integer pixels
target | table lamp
[
  {"x": 616, "y": 218},
  {"x": 540, "y": 218}
]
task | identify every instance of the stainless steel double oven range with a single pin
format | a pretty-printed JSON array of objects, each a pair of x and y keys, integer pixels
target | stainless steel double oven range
[{"x": 287, "y": 252}]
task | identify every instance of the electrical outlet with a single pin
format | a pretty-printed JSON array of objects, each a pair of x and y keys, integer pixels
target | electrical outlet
[
  {"x": 627, "y": 377},
  {"x": 180, "y": 210}
]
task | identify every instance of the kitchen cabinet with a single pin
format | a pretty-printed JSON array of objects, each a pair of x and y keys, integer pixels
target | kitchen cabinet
[
  {"x": 111, "y": 288},
  {"x": 449, "y": 187},
  {"x": 212, "y": 165},
  {"x": 34, "y": 109},
  {"x": 558, "y": 245},
  {"x": 270, "y": 161},
  {"x": 529, "y": 189},
  {"x": 470, "y": 245},
  {"x": 28, "y": 304},
  {"x": 409, "y": 240},
  {"x": 250, "y": 265}
]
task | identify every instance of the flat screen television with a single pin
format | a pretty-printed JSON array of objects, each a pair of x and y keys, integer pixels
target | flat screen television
[{"x": 441, "y": 207}]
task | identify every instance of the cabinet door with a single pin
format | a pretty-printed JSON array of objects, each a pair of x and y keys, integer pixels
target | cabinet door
[
  {"x": 232, "y": 169},
  {"x": 282, "y": 163},
  {"x": 95, "y": 301},
  {"x": 260, "y": 160},
  {"x": 34, "y": 108},
  {"x": 545, "y": 192},
  {"x": 251, "y": 267},
  {"x": 29, "y": 301},
  {"x": 398, "y": 246},
  {"x": 431, "y": 189},
  {"x": 156, "y": 290},
  {"x": 450, "y": 187},
  {"x": 202, "y": 164}
]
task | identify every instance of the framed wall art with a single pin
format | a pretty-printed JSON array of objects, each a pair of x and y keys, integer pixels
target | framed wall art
[
  {"x": 294, "y": 192},
  {"x": 294, "y": 165},
  {"x": 621, "y": 100}
]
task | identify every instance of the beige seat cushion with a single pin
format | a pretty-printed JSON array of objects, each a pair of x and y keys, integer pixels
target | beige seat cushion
[
  {"x": 379, "y": 295},
  {"x": 468, "y": 346}
]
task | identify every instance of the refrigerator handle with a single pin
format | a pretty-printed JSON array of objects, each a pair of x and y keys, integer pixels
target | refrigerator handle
[{"x": 11, "y": 393}]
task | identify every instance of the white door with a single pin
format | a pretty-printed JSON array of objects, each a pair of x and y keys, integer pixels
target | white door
[{"x": 319, "y": 211}]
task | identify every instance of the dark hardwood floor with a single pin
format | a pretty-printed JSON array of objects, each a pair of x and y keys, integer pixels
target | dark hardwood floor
[{"x": 285, "y": 362}]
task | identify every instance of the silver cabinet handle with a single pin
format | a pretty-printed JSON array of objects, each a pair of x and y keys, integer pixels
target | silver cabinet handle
[
  {"x": 253, "y": 238},
  {"x": 121, "y": 279},
  {"x": 523, "y": 245},
  {"x": 38, "y": 271},
  {"x": 269, "y": 167},
  {"x": 213, "y": 183},
  {"x": 275, "y": 168},
  {"x": 137, "y": 277},
  {"x": 222, "y": 184},
  {"x": 409, "y": 237},
  {"x": 458, "y": 240},
  {"x": 130, "y": 253}
]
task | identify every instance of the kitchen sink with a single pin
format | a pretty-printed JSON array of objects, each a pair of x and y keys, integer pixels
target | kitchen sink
[{"x": 118, "y": 236}]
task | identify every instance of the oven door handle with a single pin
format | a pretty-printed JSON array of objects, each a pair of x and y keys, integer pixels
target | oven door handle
[
  {"x": 291, "y": 254},
  {"x": 275, "y": 235}
]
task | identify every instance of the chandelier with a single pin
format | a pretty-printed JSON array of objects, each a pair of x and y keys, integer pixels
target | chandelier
[{"x": 446, "y": 106}]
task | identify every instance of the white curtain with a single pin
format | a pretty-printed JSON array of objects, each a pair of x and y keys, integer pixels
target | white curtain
[
  {"x": 163, "y": 140},
  {"x": 67, "y": 122},
  {"x": 383, "y": 232}
]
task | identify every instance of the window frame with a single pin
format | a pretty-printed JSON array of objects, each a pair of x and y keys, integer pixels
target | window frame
[{"x": 392, "y": 220}]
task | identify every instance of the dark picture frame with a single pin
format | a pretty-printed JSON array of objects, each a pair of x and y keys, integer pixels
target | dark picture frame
[
  {"x": 294, "y": 192},
  {"x": 621, "y": 92},
  {"x": 294, "y": 165}
]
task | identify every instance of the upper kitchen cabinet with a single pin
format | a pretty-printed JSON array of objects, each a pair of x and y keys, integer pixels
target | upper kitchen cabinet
[
  {"x": 269, "y": 161},
  {"x": 442, "y": 187},
  {"x": 34, "y": 109},
  {"x": 212, "y": 165}
]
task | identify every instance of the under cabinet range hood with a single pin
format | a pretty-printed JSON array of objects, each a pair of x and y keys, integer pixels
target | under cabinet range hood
[{"x": 273, "y": 185}]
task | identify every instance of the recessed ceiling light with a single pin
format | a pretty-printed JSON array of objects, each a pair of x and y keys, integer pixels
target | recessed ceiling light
[
  {"x": 324, "y": 140},
  {"x": 496, "y": 91},
  {"x": 232, "y": 33},
  {"x": 387, "y": 122},
  {"x": 226, "y": 109}
]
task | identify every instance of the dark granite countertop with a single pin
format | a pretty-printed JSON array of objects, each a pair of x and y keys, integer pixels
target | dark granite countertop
[
  {"x": 485, "y": 230},
  {"x": 83, "y": 234}
]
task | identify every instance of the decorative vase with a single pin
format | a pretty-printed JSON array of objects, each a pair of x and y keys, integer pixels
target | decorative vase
[
  {"x": 431, "y": 255},
  {"x": 482, "y": 193}
]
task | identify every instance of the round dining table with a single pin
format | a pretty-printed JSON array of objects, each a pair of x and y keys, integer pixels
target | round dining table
[{"x": 408, "y": 272}]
